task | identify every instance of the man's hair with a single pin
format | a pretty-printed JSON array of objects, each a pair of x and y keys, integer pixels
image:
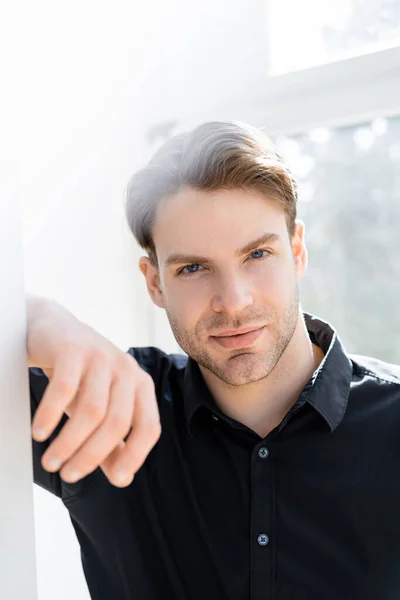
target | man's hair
[{"x": 214, "y": 156}]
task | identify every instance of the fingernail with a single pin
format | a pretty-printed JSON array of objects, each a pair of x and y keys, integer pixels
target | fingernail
[
  {"x": 54, "y": 464},
  {"x": 123, "y": 477},
  {"x": 39, "y": 434},
  {"x": 71, "y": 476}
]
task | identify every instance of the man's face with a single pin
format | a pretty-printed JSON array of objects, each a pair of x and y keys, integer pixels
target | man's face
[{"x": 216, "y": 288}]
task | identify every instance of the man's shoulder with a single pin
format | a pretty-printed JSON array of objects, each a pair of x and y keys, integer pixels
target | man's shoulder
[
  {"x": 375, "y": 399},
  {"x": 376, "y": 368}
]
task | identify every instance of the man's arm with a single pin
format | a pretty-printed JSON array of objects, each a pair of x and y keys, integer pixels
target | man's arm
[{"x": 103, "y": 391}]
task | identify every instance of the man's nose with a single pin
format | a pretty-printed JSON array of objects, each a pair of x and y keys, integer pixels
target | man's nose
[{"x": 233, "y": 297}]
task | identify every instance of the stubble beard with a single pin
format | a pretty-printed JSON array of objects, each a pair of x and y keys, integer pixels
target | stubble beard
[{"x": 247, "y": 365}]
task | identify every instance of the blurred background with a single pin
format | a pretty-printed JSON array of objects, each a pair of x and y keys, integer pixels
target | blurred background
[{"x": 101, "y": 85}]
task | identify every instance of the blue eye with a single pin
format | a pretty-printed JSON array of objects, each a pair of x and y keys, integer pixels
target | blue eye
[
  {"x": 188, "y": 267},
  {"x": 259, "y": 251},
  {"x": 266, "y": 254}
]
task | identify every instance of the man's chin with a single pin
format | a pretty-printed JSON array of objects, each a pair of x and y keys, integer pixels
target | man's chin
[{"x": 239, "y": 369}]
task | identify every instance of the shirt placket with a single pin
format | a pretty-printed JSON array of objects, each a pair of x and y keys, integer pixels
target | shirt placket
[{"x": 262, "y": 542}]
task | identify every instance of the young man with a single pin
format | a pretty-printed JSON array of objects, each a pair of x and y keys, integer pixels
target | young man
[{"x": 276, "y": 471}]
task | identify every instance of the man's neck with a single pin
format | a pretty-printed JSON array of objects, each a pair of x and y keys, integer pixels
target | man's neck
[{"x": 262, "y": 405}]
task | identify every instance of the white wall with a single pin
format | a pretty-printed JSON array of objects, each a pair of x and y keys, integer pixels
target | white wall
[
  {"x": 16, "y": 509},
  {"x": 96, "y": 76},
  {"x": 83, "y": 135}
]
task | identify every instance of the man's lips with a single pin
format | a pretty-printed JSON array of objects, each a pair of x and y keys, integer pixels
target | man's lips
[
  {"x": 238, "y": 341},
  {"x": 239, "y": 331}
]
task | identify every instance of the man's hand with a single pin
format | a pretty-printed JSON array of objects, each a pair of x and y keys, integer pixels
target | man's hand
[{"x": 103, "y": 391}]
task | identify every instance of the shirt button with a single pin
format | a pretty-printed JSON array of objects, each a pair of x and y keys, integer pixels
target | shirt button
[
  {"x": 263, "y": 539},
  {"x": 215, "y": 418},
  {"x": 263, "y": 452}
]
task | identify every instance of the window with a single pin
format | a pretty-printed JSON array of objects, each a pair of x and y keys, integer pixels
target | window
[{"x": 349, "y": 199}]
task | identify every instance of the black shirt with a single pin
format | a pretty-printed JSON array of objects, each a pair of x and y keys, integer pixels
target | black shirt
[{"x": 310, "y": 512}]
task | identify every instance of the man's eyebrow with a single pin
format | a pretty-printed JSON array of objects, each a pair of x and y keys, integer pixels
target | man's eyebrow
[{"x": 178, "y": 258}]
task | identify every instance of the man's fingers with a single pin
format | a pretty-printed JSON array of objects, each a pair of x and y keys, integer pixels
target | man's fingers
[
  {"x": 107, "y": 466},
  {"x": 113, "y": 415},
  {"x": 90, "y": 408},
  {"x": 60, "y": 392},
  {"x": 112, "y": 429},
  {"x": 145, "y": 433}
]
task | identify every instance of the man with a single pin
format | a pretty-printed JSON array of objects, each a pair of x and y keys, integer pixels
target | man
[{"x": 275, "y": 474}]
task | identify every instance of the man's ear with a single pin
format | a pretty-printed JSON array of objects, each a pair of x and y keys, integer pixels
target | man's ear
[
  {"x": 152, "y": 277},
  {"x": 299, "y": 249}
]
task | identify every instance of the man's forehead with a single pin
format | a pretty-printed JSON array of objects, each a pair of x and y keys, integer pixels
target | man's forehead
[{"x": 188, "y": 224}]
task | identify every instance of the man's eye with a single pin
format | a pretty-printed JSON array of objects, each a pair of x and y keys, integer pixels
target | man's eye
[
  {"x": 261, "y": 250},
  {"x": 183, "y": 271}
]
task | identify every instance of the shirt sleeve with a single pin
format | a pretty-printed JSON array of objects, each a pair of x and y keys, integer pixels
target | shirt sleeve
[{"x": 51, "y": 482}]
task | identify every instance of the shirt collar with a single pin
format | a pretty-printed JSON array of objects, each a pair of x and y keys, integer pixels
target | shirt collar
[{"x": 327, "y": 391}]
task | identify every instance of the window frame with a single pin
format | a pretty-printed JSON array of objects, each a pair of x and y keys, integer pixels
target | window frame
[{"x": 344, "y": 92}]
